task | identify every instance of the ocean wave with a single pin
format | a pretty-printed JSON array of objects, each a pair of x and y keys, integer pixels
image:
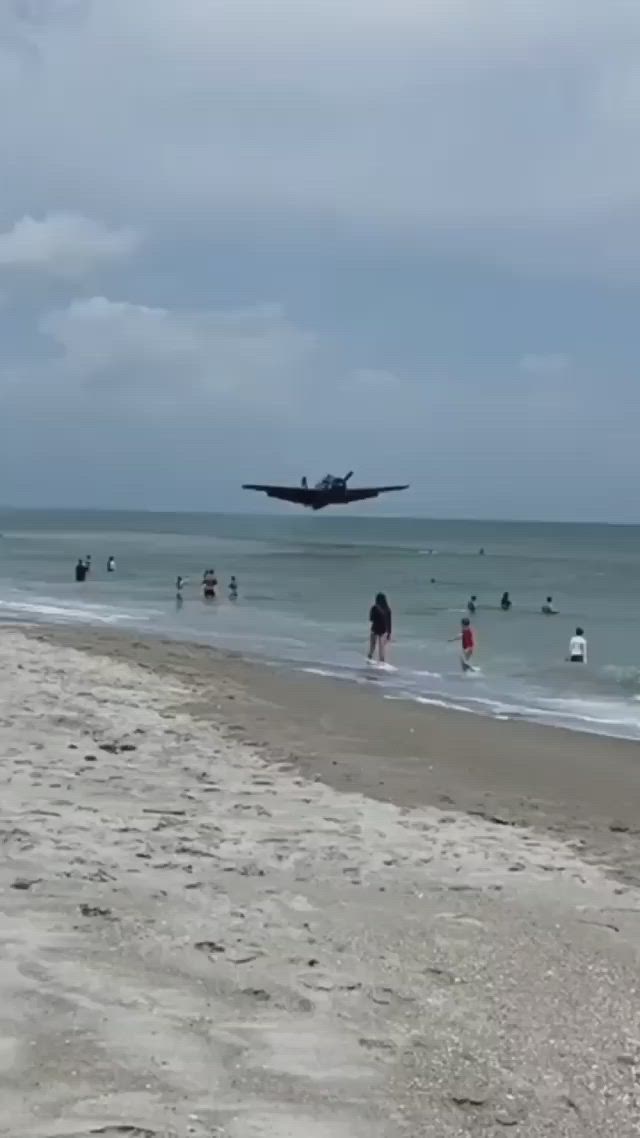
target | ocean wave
[
  {"x": 86, "y": 615},
  {"x": 610, "y": 718},
  {"x": 626, "y": 675},
  {"x": 433, "y": 701}
]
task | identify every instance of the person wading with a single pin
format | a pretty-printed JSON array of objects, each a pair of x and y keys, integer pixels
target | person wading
[{"x": 380, "y": 620}]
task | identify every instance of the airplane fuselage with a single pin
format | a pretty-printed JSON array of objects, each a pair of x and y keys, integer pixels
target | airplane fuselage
[{"x": 322, "y": 498}]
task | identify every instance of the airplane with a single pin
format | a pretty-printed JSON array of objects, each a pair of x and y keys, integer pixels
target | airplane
[{"x": 330, "y": 491}]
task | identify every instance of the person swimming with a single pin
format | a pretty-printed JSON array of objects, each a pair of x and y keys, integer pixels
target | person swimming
[
  {"x": 471, "y": 604},
  {"x": 380, "y": 634},
  {"x": 233, "y": 589},
  {"x": 81, "y": 570},
  {"x": 468, "y": 643},
  {"x": 578, "y": 648},
  {"x": 111, "y": 565},
  {"x": 548, "y": 609},
  {"x": 505, "y": 602}
]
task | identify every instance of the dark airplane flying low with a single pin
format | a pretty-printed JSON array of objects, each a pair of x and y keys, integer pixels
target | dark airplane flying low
[{"x": 331, "y": 491}]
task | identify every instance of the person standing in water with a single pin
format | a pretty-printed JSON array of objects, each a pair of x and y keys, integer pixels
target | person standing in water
[
  {"x": 81, "y": 570},
  {"x": 548, "y": 609},
  {"x": 380, "y": 620},
  {"x": 233, "y": 589},
  {"x": 471, "y": 604},
  {"x": 180, "y": 584},
  {"x": 87, "y": 563},
  {"x": 505, "y": 602},
  {"x": 209, "y": 584},
  {"x": 467, "y": 642},
  {"x": 578, "y": 648},
  {"x": 111, "y": 565}
]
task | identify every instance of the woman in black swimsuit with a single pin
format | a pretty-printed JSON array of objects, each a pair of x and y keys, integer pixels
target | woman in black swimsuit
[{"x": 380, "y": 618}]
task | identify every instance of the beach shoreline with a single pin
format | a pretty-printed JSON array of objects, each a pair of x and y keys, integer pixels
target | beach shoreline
[
  {"x": 305, "y": 587},
  {"x": 239, "y": 903},
  {"x": 583, "y": 787}
]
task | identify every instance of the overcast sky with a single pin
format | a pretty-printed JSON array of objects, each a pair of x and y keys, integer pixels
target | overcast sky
[{"x": 251, "y": 239}]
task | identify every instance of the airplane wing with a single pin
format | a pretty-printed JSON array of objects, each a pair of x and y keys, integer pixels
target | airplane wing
[
  {"x": 371, "y": 492},
  {"x": 296, "y": 494}
]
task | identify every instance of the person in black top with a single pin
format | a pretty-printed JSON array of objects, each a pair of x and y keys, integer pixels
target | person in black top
[
  {"x": 380, "y": 618},
  {"x": 81, "y": 570},
  {"x": 209, "y": 584},
  {"x": 505, "y": 602}
]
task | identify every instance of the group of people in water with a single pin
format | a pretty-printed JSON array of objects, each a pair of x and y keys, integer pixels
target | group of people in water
[
  {"x": 83, "y": 567},
  {"x": 380, "y": 618},
  {"x": 506, "y": 604},
  {"x": 209, "y": 579},
  {"x": 380, "y": 622},
  {"x": 209, "y": 586}
]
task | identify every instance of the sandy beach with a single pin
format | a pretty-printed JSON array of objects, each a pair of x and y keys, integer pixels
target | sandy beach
[{"x": 244, "y": 903}]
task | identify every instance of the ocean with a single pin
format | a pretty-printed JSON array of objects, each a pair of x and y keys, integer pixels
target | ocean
[{"x": 306, "y": 583}]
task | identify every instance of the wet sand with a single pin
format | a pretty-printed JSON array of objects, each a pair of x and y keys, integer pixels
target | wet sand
[
  {"x": 583, "y": 788},
  {"x": 242, "y": 903}
]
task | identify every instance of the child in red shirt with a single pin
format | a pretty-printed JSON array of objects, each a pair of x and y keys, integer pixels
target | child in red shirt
[{"x": 468, "y": 642}]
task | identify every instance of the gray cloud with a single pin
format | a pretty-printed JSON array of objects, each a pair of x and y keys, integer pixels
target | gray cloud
[
  {"x": 249, "y": 358},
  {"x": 397, "y": 177},
  {"x": 505, "y": 129},
  {"x": 64, "y": 244}
]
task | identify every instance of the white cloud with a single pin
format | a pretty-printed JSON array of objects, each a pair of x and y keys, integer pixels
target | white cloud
[
  {"x": 131, "y": 351},
  {"x": 549, "y": 364},
  {"x": 119, "y": 361},
  {"x": 64, "y": 244}
]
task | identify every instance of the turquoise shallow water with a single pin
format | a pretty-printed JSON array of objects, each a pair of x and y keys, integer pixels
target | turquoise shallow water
[{"x": 306, "y": 583}]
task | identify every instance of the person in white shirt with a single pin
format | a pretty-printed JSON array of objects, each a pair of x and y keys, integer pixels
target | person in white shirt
[{"x": 578, "y": 648}]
